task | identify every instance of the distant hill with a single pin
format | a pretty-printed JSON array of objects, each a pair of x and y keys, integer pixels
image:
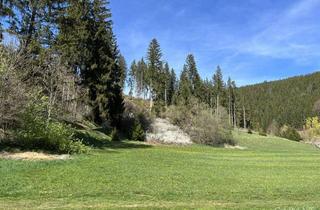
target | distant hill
[{"x": 288, "y": 101}]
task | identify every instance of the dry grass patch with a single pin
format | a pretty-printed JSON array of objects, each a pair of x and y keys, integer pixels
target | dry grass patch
[{"x": 32, "y": 156}]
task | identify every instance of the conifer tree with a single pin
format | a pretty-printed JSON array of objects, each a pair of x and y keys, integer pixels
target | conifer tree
[
  {"x": 123, "y": 68},
  {"x": 185, "y": 86},
  {"x": 172, "y": 86},
  {"x": 233, "y": 104},
  {"x": 131, "y": 77},
  {"x": 87, "y": 43},
  {"x": 194, "y": 76},
  {"x": 218, "y": 85},
  {"x": 141, "y": 77},
  {"x": 154, "y": 57},
  {"x": 230, "y": 92},
  {"x": 166, "y": 78}
]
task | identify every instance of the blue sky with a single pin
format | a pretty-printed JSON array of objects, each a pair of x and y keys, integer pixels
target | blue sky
[{"x": 252, "y": 40}]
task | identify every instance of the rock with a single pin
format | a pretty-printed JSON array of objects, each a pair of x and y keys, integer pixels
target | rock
[{"x": 165, "y": 132}]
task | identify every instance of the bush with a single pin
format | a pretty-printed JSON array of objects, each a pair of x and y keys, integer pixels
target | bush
[
  {"x": 138, "y": 133},
  {"x": 312, "y": 127},
  {"x": 115, "y": 135},
  {"x": 262, "y": 133},
  {"x": 273, "y": 128},
  {"x": 37, "y": 133},
  {"x": 289, "y": 133},
  {"x": 201, "y": 124},
  {"x": 136, "y": 119}
]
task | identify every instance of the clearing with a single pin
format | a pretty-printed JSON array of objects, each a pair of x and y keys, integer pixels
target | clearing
[{"x": 270, "y": 173}]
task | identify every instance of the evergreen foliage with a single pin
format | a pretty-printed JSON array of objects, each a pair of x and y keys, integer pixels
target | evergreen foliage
[
  {"x": 288, "y": 101},
  {"x": 154, "y": 62},
  {"x": 138, "y": 133},
  {"x": 87, "y": 43}
]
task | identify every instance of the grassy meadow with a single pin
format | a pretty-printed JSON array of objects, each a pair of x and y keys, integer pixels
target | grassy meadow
[{"x": 271, "y": 173}]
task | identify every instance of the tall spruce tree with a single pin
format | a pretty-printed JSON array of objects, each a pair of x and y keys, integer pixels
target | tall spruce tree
[
  {"x": 131, "y": 77},
  {"x": 172, "y": 86},
  {"x": 140, "y": 75},
  {"x": 218, "y": 85},
  {"x": 87, "y": 43},
  {"x": 123, "y": 68},
  {"x": 234, "y": 104},
  {"x": 185, "y": 87},
  {"x": 154, "y": 62},
  {"x": 194, "y": 76}
]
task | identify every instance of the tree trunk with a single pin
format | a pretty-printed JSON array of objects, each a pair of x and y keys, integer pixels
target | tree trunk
[
  {"x": 165, "y": 96},
  {"x": 217, "y": 108},
  {"x": 151, "y": 97},
  {"x": 234, "y": 116},
  {"x": 229, "y": 113},
  {"x": 244, "y": 118}
]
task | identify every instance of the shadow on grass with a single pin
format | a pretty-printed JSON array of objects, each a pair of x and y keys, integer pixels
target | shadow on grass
[{"x": 103, "y": 143}]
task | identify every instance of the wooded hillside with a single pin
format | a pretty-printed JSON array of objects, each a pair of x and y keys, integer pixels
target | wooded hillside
[{"x": 289, "y": 101}]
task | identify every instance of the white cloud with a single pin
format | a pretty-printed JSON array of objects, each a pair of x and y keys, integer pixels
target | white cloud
[{"x": 288, "y": 35}]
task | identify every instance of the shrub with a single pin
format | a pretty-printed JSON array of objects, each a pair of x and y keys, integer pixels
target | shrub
[
  {"x": 136, "y": 114},
  {"x": 313, "y": 127},
  {"x": 201, "y": 124},
  {"x": 289, "y": 133},
  {"x": 138, "y": 133},
  {"x": 115, "y": 135},
  {"x": 262, "y": 133},
  {"x": 273, "y": 128},
  {"x": 38, "y": 133}
]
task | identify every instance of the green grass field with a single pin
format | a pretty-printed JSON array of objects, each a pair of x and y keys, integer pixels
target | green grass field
[{"x": 271, "y": 173}]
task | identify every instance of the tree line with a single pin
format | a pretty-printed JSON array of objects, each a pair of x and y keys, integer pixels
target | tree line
[
  {"x": 285, "y": 102},
  {"x": 152, "y": 78}
]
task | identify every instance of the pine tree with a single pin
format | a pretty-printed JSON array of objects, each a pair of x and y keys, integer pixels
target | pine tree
[
  {"x": 131, "y": 77},
  {"x": 166, "y": 78},
  {"x": 194, "y": 76},
  {"x": 185, "y": 87},
  {"x": 234, "y": 104},
  {"x": 230, "y": 93},
  {"x": 123, "y": 69},
  {"x": 218, "y": 85},
  {"x": 141, "y": 77},
  {"x": 87, "y": 43},
  {"x": 154, "y": 56},
  {"x": 172, "y": 86}
]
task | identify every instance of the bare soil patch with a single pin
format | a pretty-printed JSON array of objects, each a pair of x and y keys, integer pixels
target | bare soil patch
[
  {"x": 234, "y": 147},
  {"x": 33, "y": 156}
]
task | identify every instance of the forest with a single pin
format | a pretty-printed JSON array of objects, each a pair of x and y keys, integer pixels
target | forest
[{"x": 290, "y": 101}]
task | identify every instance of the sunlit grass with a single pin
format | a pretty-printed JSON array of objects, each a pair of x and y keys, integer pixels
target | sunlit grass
[{"x": 270, "y": 173}]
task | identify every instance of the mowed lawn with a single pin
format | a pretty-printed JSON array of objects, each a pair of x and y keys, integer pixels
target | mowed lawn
[{"x": 271, "y": 173}]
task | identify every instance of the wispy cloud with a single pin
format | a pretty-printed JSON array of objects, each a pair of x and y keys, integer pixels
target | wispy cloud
[{"x": 288, "y": 35}]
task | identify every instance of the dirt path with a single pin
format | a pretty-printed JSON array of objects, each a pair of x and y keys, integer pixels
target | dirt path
[{"x": 165, "y": 132}]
